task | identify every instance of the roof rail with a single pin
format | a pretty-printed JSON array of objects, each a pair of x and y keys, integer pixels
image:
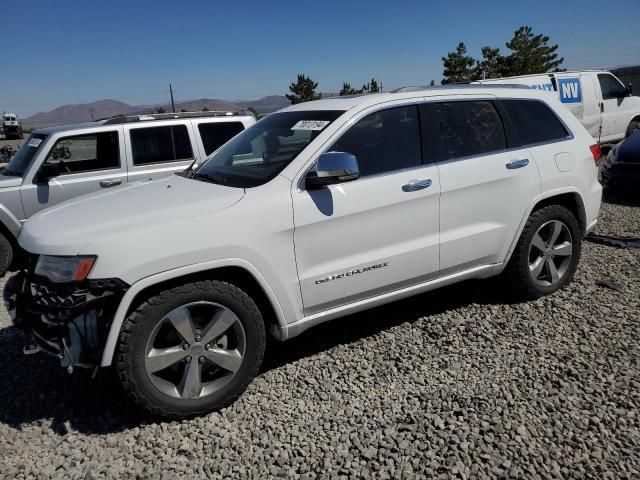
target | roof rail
[
  {"x": 168, "y": 116},
  {"x": 459, "y": 86}
]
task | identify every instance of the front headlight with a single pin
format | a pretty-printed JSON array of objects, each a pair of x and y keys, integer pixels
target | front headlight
[{"x": 64, "y": 269}]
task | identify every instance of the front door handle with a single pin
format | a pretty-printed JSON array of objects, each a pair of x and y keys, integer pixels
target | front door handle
[
  {"x": 112, "y": 182},
  {"x": 517, "y": 164},
  {"x": 416, "y": 185}
]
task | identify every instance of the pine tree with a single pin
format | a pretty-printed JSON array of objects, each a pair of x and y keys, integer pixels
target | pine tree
[
  {"x": 458, "y": 66},
  {"x": 492, "y": 65},
  {"x": 373, "y": 86},
  {"x": 254, "y": 112},
  {"x": 347, "y": 89},
  {"x": 304, "y": 90},
  {"x": 531, "y": 53}
]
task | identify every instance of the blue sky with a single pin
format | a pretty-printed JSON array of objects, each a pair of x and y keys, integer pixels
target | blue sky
[{"x": 80, "y": 51}]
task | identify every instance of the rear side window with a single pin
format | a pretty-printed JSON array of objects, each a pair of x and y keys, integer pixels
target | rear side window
[
  {"x": 464, "y": 129},
  {"x": 160, "y": 144},
  {"x": 611, "y": 88},
  {"x": 384, "y": 141},
  {"x": 534, "y": 121},
  {"x": 216, "y": 134},
  {"x": 86, "y": 153}
]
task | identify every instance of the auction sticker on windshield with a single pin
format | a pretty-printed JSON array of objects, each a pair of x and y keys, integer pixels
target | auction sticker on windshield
[
  {"x": 35, "y": 142},
  {"x": 310, "y": 125}
]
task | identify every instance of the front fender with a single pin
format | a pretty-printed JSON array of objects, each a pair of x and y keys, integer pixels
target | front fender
[
  {"x": 139, "y": 286},
  {"x": 10, "y": 221}
]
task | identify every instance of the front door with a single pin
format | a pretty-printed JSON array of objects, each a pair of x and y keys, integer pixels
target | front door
[
  {"x": 379, "y": 233},
  {"x": 86, "y": 163},
  {"x": 614, "y": 114}
]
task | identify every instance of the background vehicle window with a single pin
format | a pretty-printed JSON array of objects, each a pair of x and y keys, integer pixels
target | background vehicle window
[
  {"x": 216, "y": 134},
  {"x": 534, "y": 121},
  {"x": 160, "y": 144},
  {"x": 463, "y": 129},
  {"x": 611, "y": 88},
  {"x": 85, "y": 153},
  {"x": 384, "y": 141}
]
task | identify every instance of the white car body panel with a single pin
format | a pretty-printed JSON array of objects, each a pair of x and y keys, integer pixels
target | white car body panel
[{"x": 465, "y": 225}]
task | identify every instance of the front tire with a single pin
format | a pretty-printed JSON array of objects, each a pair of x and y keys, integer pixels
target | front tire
[
  {"x": 6, "y": 254},
  {"x": 633, "y": 126},
  {"x": 546, "y": 256},
  {"x": 191, "y": 349}
]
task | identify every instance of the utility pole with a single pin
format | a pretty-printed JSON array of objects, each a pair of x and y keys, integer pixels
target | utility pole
[{"x": 173, "y": 107}]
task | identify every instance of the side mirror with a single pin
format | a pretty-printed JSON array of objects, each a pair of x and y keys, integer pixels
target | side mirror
[
  {"x": 331, "y": 168},
  {"x": 46, "y": 172}
]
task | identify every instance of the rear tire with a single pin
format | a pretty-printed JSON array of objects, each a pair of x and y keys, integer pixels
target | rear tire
[
  {"x": 6, "y": 254},
  {"x": 633, "y": 126},
  {"x": 546, "y": 256},
  {"x": 191, "y": 383}
]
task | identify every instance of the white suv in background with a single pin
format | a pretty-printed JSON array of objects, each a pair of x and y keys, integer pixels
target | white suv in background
[
  {"x": 59, "y": 163},
  {"x": 317, "y": 211}
]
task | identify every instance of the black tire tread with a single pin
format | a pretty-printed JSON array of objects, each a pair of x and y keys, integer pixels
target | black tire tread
[
  {"x": 516, "y": 278},
  {"x": 133, "y": 323},
  {"x": 6, "y": 254}
]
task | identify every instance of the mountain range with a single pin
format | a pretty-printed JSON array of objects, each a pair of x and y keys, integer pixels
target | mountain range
[{"x": 86, "y": 112}]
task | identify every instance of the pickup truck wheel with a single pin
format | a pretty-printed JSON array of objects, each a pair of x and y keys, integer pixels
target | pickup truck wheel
[
  {"x": 191, "y": 349},
  {"x": 546, "y": 256},
  {"x": 633, "y": 126},
  {"x": 6, "y": 254}
]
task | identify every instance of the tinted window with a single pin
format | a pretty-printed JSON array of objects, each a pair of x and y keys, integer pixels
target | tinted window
[
  {"x": 85, "y": 153},
  {"x": 384, "y": 141},
  {"x": 534, "y": 121},
  {"x": 160, "y": 144},
  {"x": 611, "y": 88},
  {"x": 214, "y": 135},
  {"x": 260, "y": 152},
  {"x": 464, "y": 129}
]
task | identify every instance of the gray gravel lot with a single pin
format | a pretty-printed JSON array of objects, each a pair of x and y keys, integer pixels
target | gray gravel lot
[{"x": 457, "y": 382}]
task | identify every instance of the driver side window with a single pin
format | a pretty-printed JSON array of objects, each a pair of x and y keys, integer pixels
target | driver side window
[
  {"x": 611, "y": 88},
  {"x": 85, "y": 153}
]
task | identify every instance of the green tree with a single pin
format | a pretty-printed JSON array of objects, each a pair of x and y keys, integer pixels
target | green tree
[
  {"x": 492, "y": 65},
  {"x": 205, "y": 109},
  {"x": 160, "y": 110},
  {"x": 254, "y": 112},
  {"x": 458, "y": 66},
  {"x": 347, "y": 89},
  {"x": 432, "y": 83},
  {"x": 304, "y": 90},
  {"x": 373, "y": 86},
  {"x": 531, "y": 53}
]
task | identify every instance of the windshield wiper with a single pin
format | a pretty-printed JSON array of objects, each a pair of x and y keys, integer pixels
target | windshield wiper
[{"x": 210, "y": 177}]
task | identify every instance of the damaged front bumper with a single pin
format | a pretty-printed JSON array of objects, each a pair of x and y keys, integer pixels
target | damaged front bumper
[{"x": 67, "y": 320}]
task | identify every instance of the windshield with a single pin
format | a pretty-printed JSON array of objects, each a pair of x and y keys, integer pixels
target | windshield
[
  {"x": 259, "y": 153},
  {"x": 24, "y": 156}
]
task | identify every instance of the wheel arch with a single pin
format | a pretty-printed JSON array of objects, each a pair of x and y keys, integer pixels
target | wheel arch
[{"x": 236, "y": 271}]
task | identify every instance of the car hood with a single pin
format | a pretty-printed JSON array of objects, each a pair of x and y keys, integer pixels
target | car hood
[{"x": 67, "y": 228}]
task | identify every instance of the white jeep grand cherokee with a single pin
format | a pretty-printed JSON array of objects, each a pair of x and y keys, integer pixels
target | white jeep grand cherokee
[{"x": 319, "y": 210}]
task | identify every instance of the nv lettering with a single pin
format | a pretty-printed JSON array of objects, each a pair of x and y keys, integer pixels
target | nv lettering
[{"x": 569, "y": 90}]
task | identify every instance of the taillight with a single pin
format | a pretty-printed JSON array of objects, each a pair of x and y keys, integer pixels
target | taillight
[{"x": 595, "y": 151}]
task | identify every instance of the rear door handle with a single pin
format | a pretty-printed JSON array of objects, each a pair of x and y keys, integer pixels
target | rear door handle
[
  {"x": 416, "y": 185},
  {"x": 517, "y": 164},
  {"x": 112, "y": 182}
]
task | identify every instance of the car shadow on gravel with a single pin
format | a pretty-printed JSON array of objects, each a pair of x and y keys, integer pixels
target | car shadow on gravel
[
  {"x": 35, "y": 389},
  {"x": 623, "y": 197}
]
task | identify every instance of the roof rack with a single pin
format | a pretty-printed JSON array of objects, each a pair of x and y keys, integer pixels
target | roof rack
[
  {"x": 168, "y": 116},
  {"x": 459, "y": 86}
]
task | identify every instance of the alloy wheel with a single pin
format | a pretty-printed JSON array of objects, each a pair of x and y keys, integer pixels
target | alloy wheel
[
  {"x": 550, "y": 253},
  {"x": 195, "y": 350}
]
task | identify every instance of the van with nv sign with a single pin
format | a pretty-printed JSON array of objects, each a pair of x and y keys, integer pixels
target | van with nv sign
[{"x": 597, "y": 98}]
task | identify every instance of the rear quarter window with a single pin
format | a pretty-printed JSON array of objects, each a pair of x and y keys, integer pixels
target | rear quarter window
[
  {"x": 216, "y": 134},
  {"x": 160, "y": 144},
  {"x": 534, "y": 121}
]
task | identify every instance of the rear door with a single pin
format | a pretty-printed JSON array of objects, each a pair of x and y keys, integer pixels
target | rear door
[
  {"x": 486, "y": 180},
  {"x": 156, "y": 151},
  {"x": 89, "y": 162},
  {"x": 379, "y": 233}
]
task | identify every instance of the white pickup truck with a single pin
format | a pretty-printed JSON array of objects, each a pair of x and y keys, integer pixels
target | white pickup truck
[{"x": 597, "y": 98}]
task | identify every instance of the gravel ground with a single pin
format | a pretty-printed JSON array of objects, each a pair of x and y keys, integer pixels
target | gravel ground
[{"x": 451, "y": 383}]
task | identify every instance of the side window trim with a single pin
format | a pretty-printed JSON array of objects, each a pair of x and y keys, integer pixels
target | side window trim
[{"x": 507, "y": 129}]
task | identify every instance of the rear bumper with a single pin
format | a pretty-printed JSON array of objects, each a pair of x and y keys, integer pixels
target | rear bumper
[{"x": 68, "y": 321}]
